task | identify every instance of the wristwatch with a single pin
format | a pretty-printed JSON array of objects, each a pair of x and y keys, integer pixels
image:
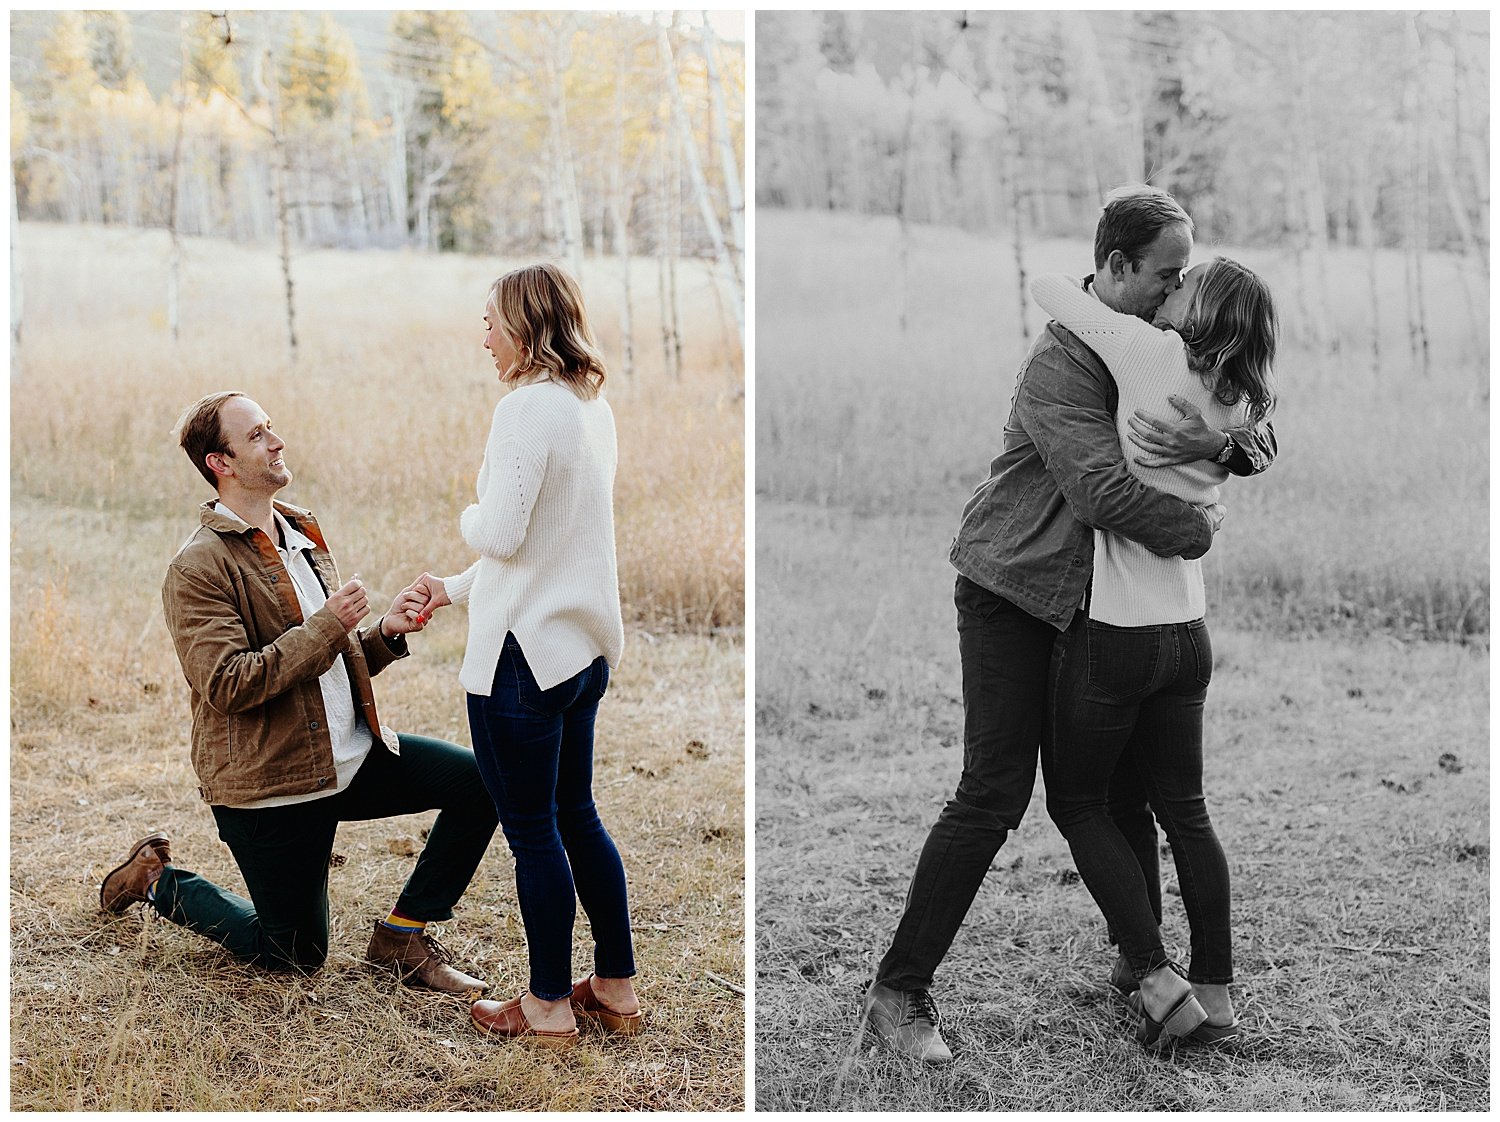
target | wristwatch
[{"x": 1226, "y": 451}]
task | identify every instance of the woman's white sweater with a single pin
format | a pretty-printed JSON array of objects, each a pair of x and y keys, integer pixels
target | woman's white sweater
[
  {"x": 1133, "y": 587},
  {"x": 545, "y": 533}
]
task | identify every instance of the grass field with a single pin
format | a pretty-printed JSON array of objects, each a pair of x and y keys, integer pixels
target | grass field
[
  {"x": 1360, "y": 863},
  {"x": 385, "y": 419}
]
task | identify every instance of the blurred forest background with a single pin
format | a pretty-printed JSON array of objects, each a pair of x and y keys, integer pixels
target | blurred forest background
[
  {"x": 562, "y": 133},
  {"x": 913, "y": 169},
  {"x": 1311, "y": 132}
]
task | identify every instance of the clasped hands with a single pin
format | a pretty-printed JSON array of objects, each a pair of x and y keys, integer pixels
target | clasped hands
[{"x": 410, "y": 611}]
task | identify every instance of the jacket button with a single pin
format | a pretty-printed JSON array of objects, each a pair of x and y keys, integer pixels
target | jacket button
[
  {"x": 323, "y": 781},
  {"x": 275, "y": 577},
  {"x": 313, "y": 725}
]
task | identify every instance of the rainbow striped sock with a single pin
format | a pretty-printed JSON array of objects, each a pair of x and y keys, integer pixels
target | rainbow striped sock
[{"x": 404, "y": 923}]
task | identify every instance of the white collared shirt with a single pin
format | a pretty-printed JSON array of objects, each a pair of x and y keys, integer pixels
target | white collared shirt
[{"x": 347, "y": 730}]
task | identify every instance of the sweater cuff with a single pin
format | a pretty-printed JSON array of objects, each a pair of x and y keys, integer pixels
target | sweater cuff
[{"x": 459, "y": 586}]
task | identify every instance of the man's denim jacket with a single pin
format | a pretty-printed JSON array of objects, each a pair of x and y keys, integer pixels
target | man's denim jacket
[{"x": 1027, "y": 532}]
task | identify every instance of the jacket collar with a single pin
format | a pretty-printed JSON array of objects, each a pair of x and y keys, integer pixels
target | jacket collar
[{"x": 301, "y": 519}]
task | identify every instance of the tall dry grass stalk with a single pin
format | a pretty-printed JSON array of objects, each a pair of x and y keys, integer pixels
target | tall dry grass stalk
[{"x": 385, "y": 420}]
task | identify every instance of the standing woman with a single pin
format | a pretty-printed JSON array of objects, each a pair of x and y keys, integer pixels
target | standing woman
[
  {"x": 1131, "y": 674},
  {"x": 544, "y": 630}
]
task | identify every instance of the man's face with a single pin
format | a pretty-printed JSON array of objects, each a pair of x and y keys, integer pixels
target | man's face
[
  {"x": 254, "y": 450},
  {"x": 1145, "y": 286}
]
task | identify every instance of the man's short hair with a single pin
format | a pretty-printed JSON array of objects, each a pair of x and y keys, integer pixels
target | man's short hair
[
  {"x": 200, "y": 433},
  {"x": 1132, "y": 218}
]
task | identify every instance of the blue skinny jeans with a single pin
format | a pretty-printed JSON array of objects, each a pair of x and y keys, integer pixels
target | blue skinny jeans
[{"x": 535, "y": 750}]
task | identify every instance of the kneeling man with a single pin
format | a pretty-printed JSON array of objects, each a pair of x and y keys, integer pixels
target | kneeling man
[{"x": 286, "y": 741}]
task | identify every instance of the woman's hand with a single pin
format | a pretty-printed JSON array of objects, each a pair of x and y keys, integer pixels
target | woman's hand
[
  {"x": 409, "y": 611},
  {"x": 436, "y": 596}
]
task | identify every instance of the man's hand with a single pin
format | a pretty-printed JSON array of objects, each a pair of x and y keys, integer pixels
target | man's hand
[
  {"x": 407, "y": 612},
  {"x": 1181, "y": 441},
  {"x": 1215, "y": 513},
  {"x": 350, "y": 604}
]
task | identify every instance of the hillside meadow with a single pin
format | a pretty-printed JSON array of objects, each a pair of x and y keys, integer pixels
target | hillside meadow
[
  {"x": 385, "y": 416},
  {"x": 1346, "y": 759}
]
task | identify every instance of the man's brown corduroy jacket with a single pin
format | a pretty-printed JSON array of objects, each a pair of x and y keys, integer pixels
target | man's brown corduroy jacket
[{"x": 252, "y": 662}]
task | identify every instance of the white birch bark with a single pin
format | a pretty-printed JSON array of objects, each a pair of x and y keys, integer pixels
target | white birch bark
[
  {"x": 688, "y": 151},
  {"x": 16, "y": 304},
  {"x": 734, "y": 191}
]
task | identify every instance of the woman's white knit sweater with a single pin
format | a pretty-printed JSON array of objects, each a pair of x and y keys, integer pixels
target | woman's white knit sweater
[
  {"x": 1133, "y": 587},
  {"x": 545, "y": 532}
]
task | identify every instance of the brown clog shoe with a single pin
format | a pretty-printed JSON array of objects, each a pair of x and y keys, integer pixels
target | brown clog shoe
[
  {"x": 506, "y": 1018},
  {"x": 586, "y": 1003}
]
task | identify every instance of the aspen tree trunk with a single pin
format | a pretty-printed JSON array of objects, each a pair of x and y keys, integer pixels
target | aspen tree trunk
[
  {"x": 1012, "y": 149},
  {"x": 1364, "y": 206},
  {"x": 15, "y": 280},
  {"x": 265, "y": 77},
  {"x": 1471, "y": 248},
  {"x": 1416, "y": 217},
  {"x": 619, "y": 218},
  {"x": 396, "y": 170},
  {"x": 903, "y": 181},
  {"x": 557, "y": 122},
  {"x": 174, "y": 266},
  {"x": 1314, "y": 204},
  {"x": 1464, "y": 141},
  {"x": 727, "y": 161},
  {"x": 663, "y": 253},
  {"x": 360, "y": 213},
  {"x": 674, "y": 253},
  {"x": 687, "y": 149}
]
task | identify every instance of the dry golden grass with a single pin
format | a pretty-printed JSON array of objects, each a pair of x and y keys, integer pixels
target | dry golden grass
[{"x": 385, "y": 419}]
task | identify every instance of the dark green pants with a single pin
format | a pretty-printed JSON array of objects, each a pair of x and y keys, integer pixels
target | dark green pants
[{"x": 283, "y": 855}]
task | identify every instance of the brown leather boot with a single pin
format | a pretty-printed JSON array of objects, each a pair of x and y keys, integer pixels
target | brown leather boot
[
  {"x": 419, "y": 959},
  {"x": 128, "y": 881}
]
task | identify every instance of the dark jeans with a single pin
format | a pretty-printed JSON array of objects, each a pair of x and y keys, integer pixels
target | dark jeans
[
  {"x": 1130, "y": 699},
  {"x": 283, "y": 854},
  {"x": 535, "y": 750},
  {"x": 1005, "y": 654}
]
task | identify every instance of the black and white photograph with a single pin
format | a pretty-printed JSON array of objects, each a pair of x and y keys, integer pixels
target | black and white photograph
[{"x": 1121, "y": 580}]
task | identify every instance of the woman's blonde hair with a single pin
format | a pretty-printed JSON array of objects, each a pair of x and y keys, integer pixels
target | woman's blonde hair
[
  {"x": 1230, "y": 330},
  {"x": 541, "y": 308}
]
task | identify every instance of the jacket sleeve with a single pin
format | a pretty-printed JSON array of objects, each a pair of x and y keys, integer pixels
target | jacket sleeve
[
  {"x": 1063, "y": 408},
  {"x": 380, "y": 652},
  {"x": 1254, "y": 449},
  {"x": 214, "y": 648}
]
